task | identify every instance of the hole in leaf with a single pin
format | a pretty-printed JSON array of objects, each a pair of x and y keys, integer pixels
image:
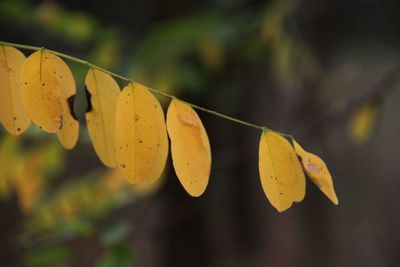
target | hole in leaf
[
  {"x": 71, "y": 100},
  {"x": 89, "y": 106}
]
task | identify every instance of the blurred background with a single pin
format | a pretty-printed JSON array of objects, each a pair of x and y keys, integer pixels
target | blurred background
[{"x": 325, "y": 72}]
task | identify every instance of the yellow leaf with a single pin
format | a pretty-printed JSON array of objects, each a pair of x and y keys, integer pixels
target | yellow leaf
[
  {"x": 140, "y": 135},
  {"x": 282, "y": 177},
  {"x": 69, "y": 132},
  {"x": 362, "y": 122},
  {"x": 318, "y": 172},
  {"x": 102, "y": 92},
  {"x": 12, "y": 112},
  {"x": 40, "y": 90},
  {"x": 190, "y": 148},
  {"x": 48, "y": 91}
]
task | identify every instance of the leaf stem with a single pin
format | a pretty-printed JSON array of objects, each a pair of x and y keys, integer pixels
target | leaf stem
[{"x": 90, "y": 65}]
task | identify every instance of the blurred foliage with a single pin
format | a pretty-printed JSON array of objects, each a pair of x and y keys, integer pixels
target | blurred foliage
[
  {"x": 116, "y": 234},
  {"x": 27, "y": 171},
  {"x": 291, "y": 59},
  {"x": 49, "y": 256},
  {"x": 164, "y": 59},
  {"x": 117, "y": 256},
  {"x": 362, "y": 122},
  {"x": 117, "y": 253},
  {"x": 67, "y": 211}
]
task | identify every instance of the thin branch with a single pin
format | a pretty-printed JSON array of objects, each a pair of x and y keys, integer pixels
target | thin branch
[{"x": 90, "y": 65}]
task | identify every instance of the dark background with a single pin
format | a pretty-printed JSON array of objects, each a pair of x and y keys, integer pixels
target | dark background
[{"x": 312, "y": 69}]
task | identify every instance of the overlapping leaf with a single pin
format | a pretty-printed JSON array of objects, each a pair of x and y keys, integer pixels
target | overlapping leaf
[
  {"x": 102, "y": 92},
  {"x": 282, "y": 177},
  {"x": 190, "y": 148},
  {"x": 140, "y": 135},
  {"x": 48, "y": 90},
  {"x": 318, "y": 172},
  {"x": 40, "y": 91},
  {"x": 69, "y": 132},
  {"x": 12, "y": 112}
]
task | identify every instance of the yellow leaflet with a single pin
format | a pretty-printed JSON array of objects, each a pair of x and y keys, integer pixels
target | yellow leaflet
[
  {"x": 190, "y": 148},
  {"x": 141, "y": 140},
  {"x": 69, "y": 132},
  {"x": 282, "y": 177},
  {"x": 102, "y": 92},
  {"x": 12, "y": 112},
  {"x": 362, "y": 122},
  {"x": 40, "y": 91},
  {"x": 48, "y": 91},
  {"x": 316, "y": 169}
]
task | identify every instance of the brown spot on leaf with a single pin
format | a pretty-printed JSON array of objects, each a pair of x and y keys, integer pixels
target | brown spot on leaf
[{"x": 188, "y": 121}]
